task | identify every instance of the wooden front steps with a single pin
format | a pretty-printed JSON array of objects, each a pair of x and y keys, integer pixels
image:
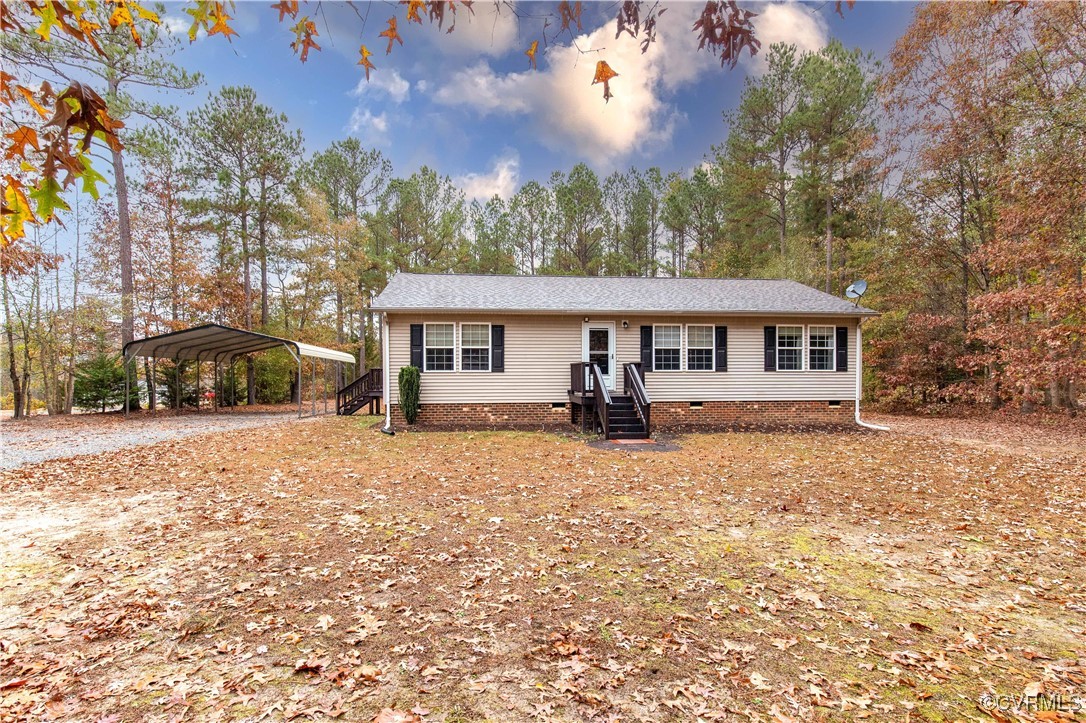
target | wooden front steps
[
  {"x": 616, "y": 416},
  {"x": 623, "y": 421}
]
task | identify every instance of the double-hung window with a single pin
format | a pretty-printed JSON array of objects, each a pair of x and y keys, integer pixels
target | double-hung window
[
  {"x": 667, "y": 348},
  {"x": 439, "y": 347},
  {"x": 789, "y": 348},
  {"x": 699, "y": 348},
  {"x": 475, "y": 347},
  {"x": 820, "y": 348}
]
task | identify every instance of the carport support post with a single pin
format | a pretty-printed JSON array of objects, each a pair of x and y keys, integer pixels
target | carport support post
[
  {"x": 126, "y": 393},
  {"x": 298, "y": 358},
  {"x": 154, "y": 385},
  {"x": 313, "y": 385},
  {"x": 197, "y": 383}
]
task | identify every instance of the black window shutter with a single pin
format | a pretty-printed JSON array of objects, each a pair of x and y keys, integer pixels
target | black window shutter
[
  {"x": 842, "y": 348},
  {"x": 771, "y": 348},
  {"x": 497, "y": 347},
  {"x": 722, "y": 348},
  {"x": 646, "y": 349},
  {"x": 416, "y": 346}
]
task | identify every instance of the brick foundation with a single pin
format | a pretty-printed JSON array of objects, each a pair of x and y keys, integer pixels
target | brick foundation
[
  {"x": 675, "y": 416},
  {"x": 666, "y": 416},
  {"x": 518, "y": 415}
]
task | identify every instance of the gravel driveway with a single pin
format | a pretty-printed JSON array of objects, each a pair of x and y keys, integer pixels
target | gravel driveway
[{"x": 41, "y": 438}]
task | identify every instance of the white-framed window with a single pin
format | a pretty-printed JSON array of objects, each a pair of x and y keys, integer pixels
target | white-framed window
[
  {"x": 439, "y": 347},
  {"x": 700, "y": 348},
  {"x": 789, "y": 348},
  {"x": 474, "y": 347},
  {"x": 667, "y": 347},
  {"x": 821, "y": 348}
]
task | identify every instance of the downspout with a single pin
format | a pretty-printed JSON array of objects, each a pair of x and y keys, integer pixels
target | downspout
[
  {"x": 387, "y": 386},
  {"x": 859, "y": 379}
]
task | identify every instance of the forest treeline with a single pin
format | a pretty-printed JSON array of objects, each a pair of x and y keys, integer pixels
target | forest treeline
[{"x": 951, "y": 176}]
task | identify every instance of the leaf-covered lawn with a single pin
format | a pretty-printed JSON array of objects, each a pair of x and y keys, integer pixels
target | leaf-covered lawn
[{"x": 323, "y": 569}]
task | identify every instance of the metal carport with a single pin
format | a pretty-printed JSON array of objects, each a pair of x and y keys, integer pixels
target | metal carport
[{"x": 224, "y": 344}]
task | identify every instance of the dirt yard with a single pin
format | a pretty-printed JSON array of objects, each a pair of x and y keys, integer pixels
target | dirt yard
[{"x": 324, "y": 570}]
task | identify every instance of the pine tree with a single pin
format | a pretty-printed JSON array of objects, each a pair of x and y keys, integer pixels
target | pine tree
[{"x": 99, "y": 381}]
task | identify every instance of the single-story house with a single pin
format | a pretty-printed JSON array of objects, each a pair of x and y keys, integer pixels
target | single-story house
[{"x": 627, "y": 355}]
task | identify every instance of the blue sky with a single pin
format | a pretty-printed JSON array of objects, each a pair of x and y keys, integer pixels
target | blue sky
[{"x": 467, "y": 105}]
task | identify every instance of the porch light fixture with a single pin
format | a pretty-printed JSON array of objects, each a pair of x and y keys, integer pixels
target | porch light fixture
[
  {"x": 586, "y": 320},
  {"x": 625, "y": 324}
]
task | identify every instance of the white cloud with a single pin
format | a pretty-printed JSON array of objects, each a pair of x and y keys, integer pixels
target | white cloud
[
  {"x": 789, "y": 23},
  {"x": 364, "y": 123},
  {"x": 179, "y": 25},
  {"x": 502, "y": 179},
  {"x": 386, "y": 81},
  {"x": 368, "y": 127},
  {"x": 568, "y": 113},
  {"x": 487, "y": 93}
]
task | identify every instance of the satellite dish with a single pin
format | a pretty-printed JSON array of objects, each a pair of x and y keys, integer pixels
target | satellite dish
[{"x": 856, "y": 290}]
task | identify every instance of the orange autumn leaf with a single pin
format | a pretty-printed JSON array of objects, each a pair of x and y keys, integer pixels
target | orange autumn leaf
[
  {"x": 604, "y": 73},
  {"x": 530, "y": 52},
  {"x": 220, "y": 27},
  {"x": 392, "y": 34},
  {"x": 304, "y": 33},
  {"x": 22, "y": 137},
  {"x": 365, "y": 61},
  {"x": 122, "y": 15},
  {"x": 413, "y": 8},
  {"x": 29, "y": 95},
  {"x": 286, "y": 7}
]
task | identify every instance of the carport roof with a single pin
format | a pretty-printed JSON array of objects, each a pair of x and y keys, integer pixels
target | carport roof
[{"x": 214, "y": 342}]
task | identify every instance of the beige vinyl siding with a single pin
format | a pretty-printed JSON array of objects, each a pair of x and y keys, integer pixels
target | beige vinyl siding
[
  {"x": 538, "y": 352},
  {"x": 540, "y": 348},
  {"x": 746, "y": 378}
]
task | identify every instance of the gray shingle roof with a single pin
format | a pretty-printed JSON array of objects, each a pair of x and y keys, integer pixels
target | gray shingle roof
[{"x": 595, "y": 294}]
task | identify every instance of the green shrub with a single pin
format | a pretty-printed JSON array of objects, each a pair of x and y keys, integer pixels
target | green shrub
[
  {"x": 275, "y": 374},
  {"x": 409, "y": 393},
  {"x": 99, "y": 382},
  {"x": 166, "y": 389}
]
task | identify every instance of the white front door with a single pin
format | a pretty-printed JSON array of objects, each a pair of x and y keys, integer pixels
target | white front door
[{"x": 599, "y": 348}]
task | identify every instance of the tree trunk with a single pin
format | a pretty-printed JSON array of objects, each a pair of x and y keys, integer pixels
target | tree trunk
[
  {"x": 782, "y": 200},
  {"x": 829, "y": 240},
  {"x": 250, "y": 369},
  {"x": 13, "y": 372},
  {"x": 262, "y": 238},
  {"x": 27, "y": 400},
  {"x": 124, "y": 232},
  {"x": 175, "y": 261},
  {"x": 69, "y": 391}
]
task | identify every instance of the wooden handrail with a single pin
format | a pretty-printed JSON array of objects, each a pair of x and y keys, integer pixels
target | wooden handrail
[
  {"x": 603, "y": 399},
  {"x": 635, "y": 384},
  {"x": 368, "y": 382},
  {"x": 577, "y": 377}
]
